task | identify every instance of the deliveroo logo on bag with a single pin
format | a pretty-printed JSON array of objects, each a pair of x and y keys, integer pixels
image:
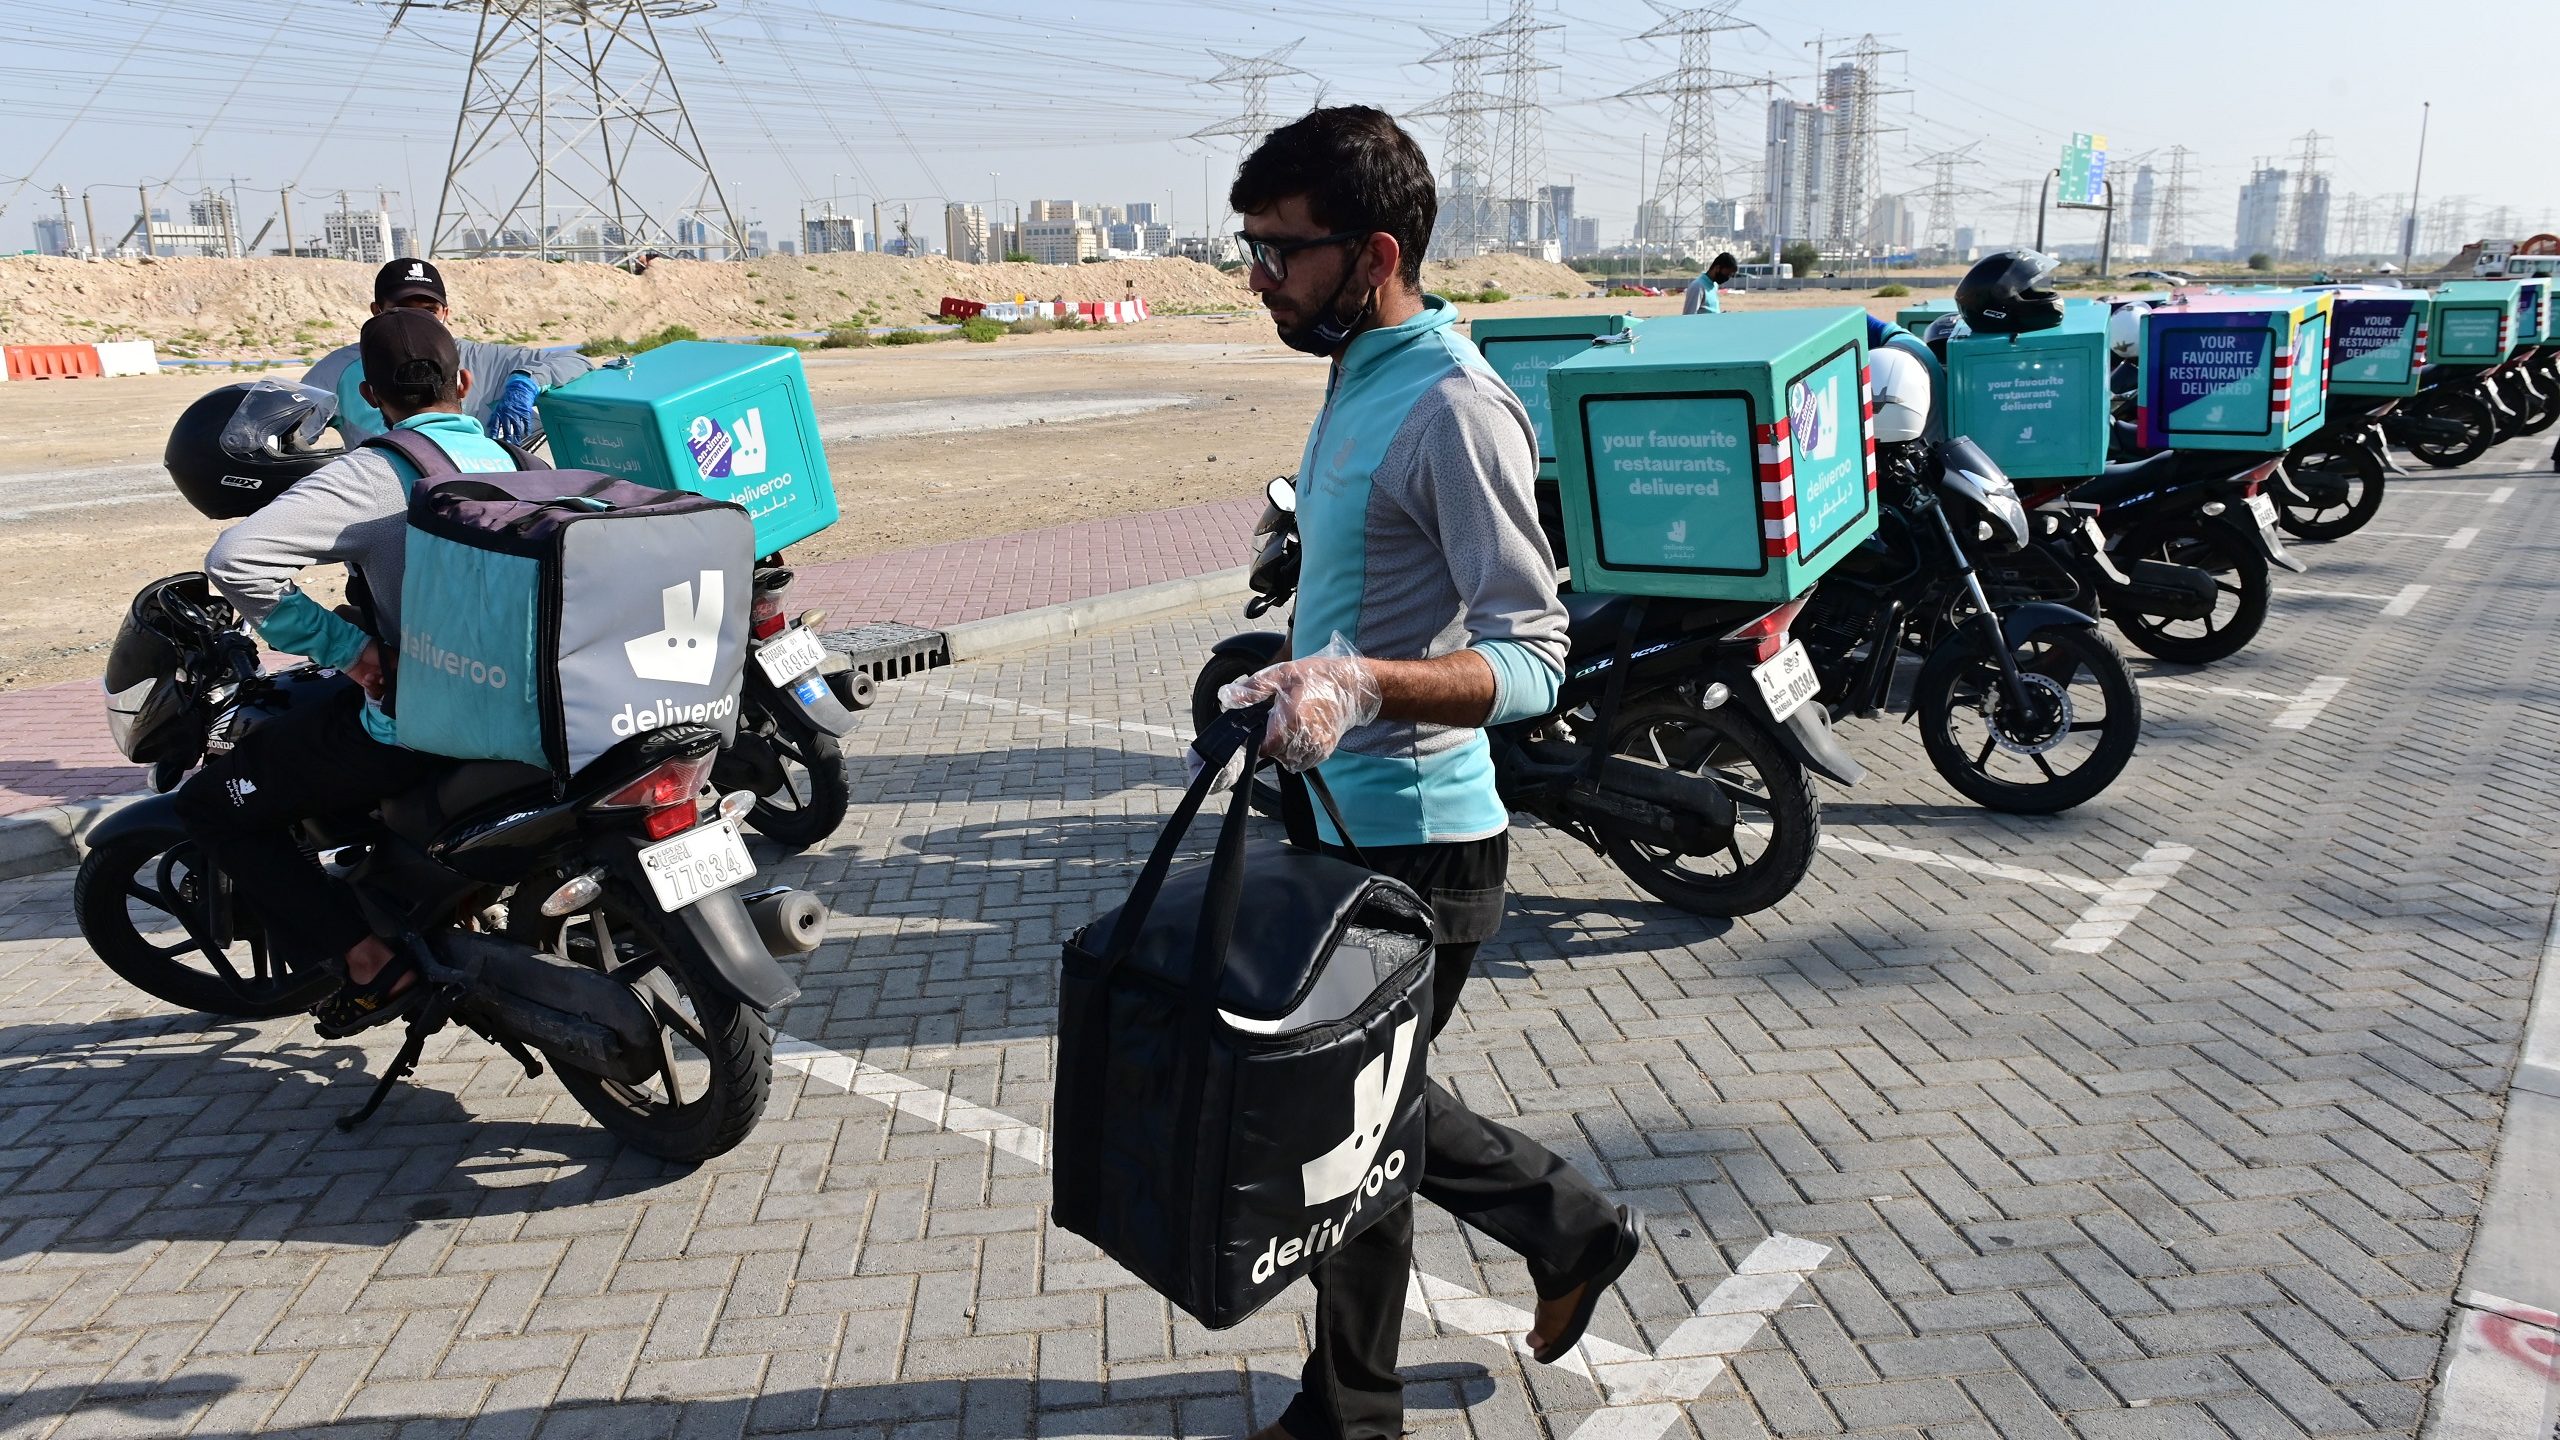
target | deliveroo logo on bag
[
  {"x": 1352, "y": 1167},
  {"x": 688, "y": 649},
  {"x": 1830, "y": 461},
  {"x": 719, "y": 453}
]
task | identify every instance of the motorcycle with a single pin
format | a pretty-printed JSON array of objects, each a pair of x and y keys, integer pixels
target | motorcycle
[
  {"x": 2536, "y": 392},
  {"x": 797, "y": 705},
  {"x": 598, "y": 922},
  {"x": 1678, "y": 746},
  {"x": 2450, "y": 422},
  {"x": 2055, "y": 710}
]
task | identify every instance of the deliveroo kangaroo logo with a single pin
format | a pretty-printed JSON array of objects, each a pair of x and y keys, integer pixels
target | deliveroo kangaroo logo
[
  {"x": 1815, "y": 417},
  {"x": 1679, "y": 532},
  {"x": 751, "y": 452},
  {"x": 737, "y": 450},
  {"x": 684, "y": 652},
  {"x": 1348, "y": 1166}
]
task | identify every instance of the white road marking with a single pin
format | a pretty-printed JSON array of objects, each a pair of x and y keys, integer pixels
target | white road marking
[
  {"x": 2100, "y": 924},
  {"x": 2307, "y": 706},
  {"x": 2493, "y": 497},
  {"x": 1016, "y": 707},
  {"x": 2400, "y": 602},
  {"x": 2461, "y": 539},
  {"x": 1990, "y": 869},
  {"x": 2159, "y": 684},
  {"x": 1642, "y": 1393},
  {"x": 2405, "y": 601},
  {"x": 2499, "y": 495}
]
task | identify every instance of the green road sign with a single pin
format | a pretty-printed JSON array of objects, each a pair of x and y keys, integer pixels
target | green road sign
[{"x": 2084, "y": 171}]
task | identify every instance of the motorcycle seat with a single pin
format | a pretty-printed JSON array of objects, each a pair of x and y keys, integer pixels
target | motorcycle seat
[
  {"x": 2133, "y": 477},
  {"x": 469, "y": 785}
]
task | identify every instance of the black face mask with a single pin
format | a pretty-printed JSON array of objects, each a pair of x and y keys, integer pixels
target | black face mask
[{"x": 1329, "y": 333}]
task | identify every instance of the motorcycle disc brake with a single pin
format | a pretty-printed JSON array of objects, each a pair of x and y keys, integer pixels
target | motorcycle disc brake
[{"x": 2045, "y": 728}]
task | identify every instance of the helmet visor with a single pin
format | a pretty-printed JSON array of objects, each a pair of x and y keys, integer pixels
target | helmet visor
[{"x": 280, "y": 419}]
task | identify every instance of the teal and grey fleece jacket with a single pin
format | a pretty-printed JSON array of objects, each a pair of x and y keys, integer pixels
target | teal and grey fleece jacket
[
  {"x": 1419, "y": 520},
  {"x": 352, "y": 511},
  {"x": 341, "y": 370}
]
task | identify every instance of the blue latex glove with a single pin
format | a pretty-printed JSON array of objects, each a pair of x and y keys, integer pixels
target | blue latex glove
[{"x": 512, "y": 419}]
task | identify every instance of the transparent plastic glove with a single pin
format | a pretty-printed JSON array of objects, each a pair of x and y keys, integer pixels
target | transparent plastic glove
[
  {"x": 512, "y": 418},
  {"x": 1316, "y": 700},
  {"x": 1228, "y": 773}
]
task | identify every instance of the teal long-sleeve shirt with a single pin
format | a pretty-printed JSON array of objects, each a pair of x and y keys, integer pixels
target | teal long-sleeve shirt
[{"x": 352, "y": 511}]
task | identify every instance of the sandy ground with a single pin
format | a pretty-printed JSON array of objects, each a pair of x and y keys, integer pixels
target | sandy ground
[{"x": 926, "y": 443}]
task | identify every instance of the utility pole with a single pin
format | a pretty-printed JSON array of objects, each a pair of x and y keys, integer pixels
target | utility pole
[
  {"x": 2310, "y": 202},
  {"x": 1942, "y": 194},
  {"x": 2409, "y": 232},
  {"x": 284, "y": 198},
  {"x": 1692, "y": 176},
  {"x": 1463, "y": 229},
  {"x": 2169, "y": 221},
  {"x": 145, "y": 192},
  {"x": 1853, "y": 90},
  {"x": 90, "y": 210},
  {"x": 1520, "y": 135}
]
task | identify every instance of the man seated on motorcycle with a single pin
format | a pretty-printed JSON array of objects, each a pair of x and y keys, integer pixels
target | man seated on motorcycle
[
  {"x": 342, "y": 754},
  {"x": 503, "y": 406}
]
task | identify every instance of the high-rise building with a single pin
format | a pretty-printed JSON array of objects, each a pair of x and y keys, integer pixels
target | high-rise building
[
  {"x": 1557, "y": 200},
  {"x": 1585, "y": 239},
  {"x": 53, "y": 236},
  {"x": 1061, "y": 242},
  {"x": 2261, "y": 212},
  {"x": 758, "y": 244},
  {"x": 1051, "y": 210},
  {"x": 1142, "y": 212},
  {"x": 1964, "y": 242},
  {"x": 693, "y": 239},
  {"x": 830, "y": 234},
  {"x": 2146, "y": 206},
  {"x": 964, "y": 234},
  {"x": 1794, "y": 163},
  {"x": 361, "y": 235},
  {"x": 1889, "y": 227},
  {"x": 1651, "y": 227},
  {"x": 2311, "y": 220},
  {"x": 211, "y": 213}
]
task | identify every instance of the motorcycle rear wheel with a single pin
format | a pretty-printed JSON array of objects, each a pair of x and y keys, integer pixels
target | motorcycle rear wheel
[
  {"x": 814, "y": 795},
  {"x": 2240, "y": 579},
  {"x": 2540, "y": 417},
  {"x": 139, "y": 904},
  {"x": 2479, "y": 430},
  {"x": 2354, "y": 465},
  {"x": 1781, "y": 817},
  {"x": 716, "y": 1054},
  {"x": 1960, "y": 677}
]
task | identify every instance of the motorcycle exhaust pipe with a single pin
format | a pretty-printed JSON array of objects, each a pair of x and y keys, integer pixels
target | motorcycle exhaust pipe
[{"x": 790, "y": 922}]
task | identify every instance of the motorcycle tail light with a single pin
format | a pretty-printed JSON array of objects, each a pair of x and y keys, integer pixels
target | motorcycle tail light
[
  {"x": 666, "y": 794},
  {"x": 766, "y": 620},
  {"x": 1768, "y": 635},
  {"x": 673, "y": 820}
]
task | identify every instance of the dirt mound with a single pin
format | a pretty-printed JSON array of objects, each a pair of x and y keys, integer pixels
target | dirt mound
[
  {"x": 1518, "y": 275},
  {"x": 281, "y": 307}
]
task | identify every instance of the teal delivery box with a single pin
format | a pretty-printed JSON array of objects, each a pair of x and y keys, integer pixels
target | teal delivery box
[
  {"x": 1523, "y": 351},
  {"x": 2475, "y": 322},
  {"x": 2377, "y": 341},
  {"x": 1918, "y": 318},
  {"x": 1721, "y": 457},
  {"x": 2234, "y": 372},
  {"x": 729, "y": 421},
  {"x": 2036, "y": 403}
]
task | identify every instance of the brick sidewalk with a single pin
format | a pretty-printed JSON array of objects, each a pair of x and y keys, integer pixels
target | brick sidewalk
[{"x": 53, "y": 740}]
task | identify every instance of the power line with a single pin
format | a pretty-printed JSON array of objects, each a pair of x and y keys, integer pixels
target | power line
[{"x": 1692, "y": 179}]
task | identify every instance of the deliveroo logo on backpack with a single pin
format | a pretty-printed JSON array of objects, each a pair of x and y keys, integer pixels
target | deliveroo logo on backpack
[
  {"x": 1352, "y": 1166},
  {"x": 737, "y": 449},
  {"x": 688, "y": 649}
]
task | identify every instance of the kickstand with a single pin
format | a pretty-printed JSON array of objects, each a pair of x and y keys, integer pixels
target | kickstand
[
  {"x": 517, "y": 1052},
  {"x": 429, "y": 1019}
]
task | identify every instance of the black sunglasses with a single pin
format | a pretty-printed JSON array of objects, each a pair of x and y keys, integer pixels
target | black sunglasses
[{"x": 1273, "y": 255}]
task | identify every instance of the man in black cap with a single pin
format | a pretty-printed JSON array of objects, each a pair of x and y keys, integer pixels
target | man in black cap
[
  {"x": 344, "y": 753},
  {"x": 511, "y": 376}
]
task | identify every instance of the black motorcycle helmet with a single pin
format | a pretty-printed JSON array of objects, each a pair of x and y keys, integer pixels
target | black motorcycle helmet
[
  {"x": 151, "y": 712},
  {"x": 245, "y": 444},
  {"x": 2006, "y": 294}
]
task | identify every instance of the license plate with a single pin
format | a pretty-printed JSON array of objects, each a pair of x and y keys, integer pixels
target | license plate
[
  {"x": 1788, "y": 681},
  {"x": 788, "y": 656},
  {"x": 701, "y": 861},
  {"x": 2265, "y": 510}
]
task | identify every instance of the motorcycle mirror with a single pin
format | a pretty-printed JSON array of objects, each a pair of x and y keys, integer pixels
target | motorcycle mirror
[{"x": 1283, "y": 494}]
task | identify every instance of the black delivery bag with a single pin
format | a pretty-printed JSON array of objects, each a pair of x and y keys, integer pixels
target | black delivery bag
[{"x": 1241, "y": 1055}]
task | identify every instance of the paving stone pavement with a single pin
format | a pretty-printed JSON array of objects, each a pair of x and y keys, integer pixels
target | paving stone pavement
[{"x": 2213, "y": 1175}]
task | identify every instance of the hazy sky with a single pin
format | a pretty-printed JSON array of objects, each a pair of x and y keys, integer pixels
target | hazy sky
[{"x": 916, "y": 100}]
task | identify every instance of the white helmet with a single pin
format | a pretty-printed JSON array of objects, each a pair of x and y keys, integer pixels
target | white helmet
[
  {"x": 1900, "y": 385},
  {"x": 2124, "y": 331}
]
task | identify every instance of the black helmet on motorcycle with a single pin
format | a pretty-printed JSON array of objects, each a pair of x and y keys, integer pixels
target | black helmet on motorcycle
[
  {"x": 2006, "y": 294},
  {"x": 245, "y": 444},
  {"x": 151, "y": 712}
]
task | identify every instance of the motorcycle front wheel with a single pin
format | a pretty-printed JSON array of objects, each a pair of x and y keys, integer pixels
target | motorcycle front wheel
[
  {"x": 715, "y": 1060},
  {"x": 2075, "y": 735},
  {"x": 2539, "y": 417},
  {"x": 144, "y": 905},
  {"x": 2241, "y": 591},
  {"x": 2332, "y": 488},
  {"x": 2469, "y": 414},
  {"x": 1780, "y": 818}
]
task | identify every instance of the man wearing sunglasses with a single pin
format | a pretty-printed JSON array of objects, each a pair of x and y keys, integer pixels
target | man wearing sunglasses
[{"x": 1427, "y": 610}]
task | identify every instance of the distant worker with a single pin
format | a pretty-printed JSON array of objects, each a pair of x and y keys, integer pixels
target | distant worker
[
  {"x": 1701, "y": 298},
  {"x": 510, "y": 376}
]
